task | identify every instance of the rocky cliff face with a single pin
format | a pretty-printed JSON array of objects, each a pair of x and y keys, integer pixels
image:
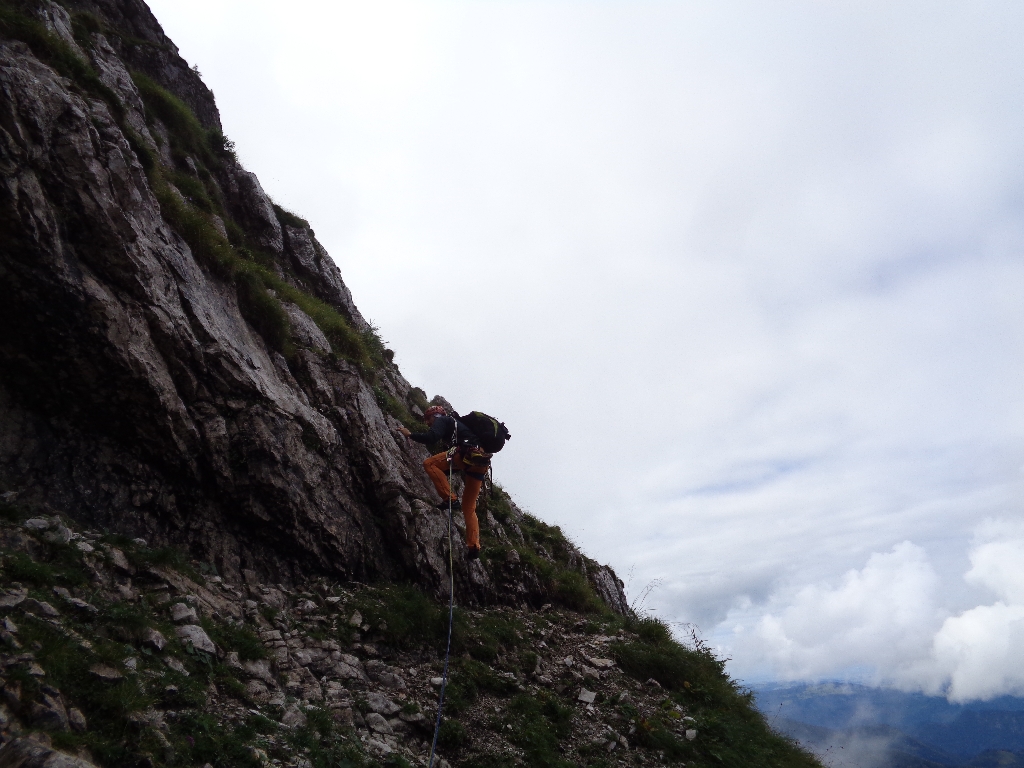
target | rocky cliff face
[{"x": 181, "y": 360}]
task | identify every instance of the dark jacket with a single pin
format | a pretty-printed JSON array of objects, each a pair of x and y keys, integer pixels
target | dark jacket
[{"x": 441, "y": 431}]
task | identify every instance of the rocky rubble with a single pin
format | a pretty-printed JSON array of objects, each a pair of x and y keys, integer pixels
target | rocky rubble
[{"x": 270, "y": 665}]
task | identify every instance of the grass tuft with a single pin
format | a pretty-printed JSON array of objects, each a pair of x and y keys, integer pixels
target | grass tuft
[
  {"x": 54, "y": 51},
  {"x": 290, "y": 219}
]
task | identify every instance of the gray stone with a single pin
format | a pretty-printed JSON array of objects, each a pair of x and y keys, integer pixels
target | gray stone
[
  {"x": 343, "y": 717},
  {"x": 105, "y": 673},
  {"x": 392, "y": 680},
  {"x": 29, "y": 753},
  {"x": 356, "y": 619},
  {"x": 182, "y": 613},
  {"x": 118, "y": 560},
  {"x": 153, "y": 639},
  {"x": 40, "y": 607},
  {"x": 83, "y": 606},
  {"x": 587, "y": 697},
  {"x": 60, "y": 534},
  {"x": 257, "y": 691},
  {"x": 378, "y": 724},
  {"x": 259, "y": 669},
  {"x": 293, "y": 717},
  {"x": 381, "y": 704},
  {"x": 11, "y": 600},
  {"x": 176, "y": 666},
  {"x": 37, "y": 524},
  {"x": 196, "y": 635},
  {"x": 691, "y": 734},
  {"x": 305, "y": 331},
  {"x": 347, "y": 671},
  {"x": 374, "y": 668}
]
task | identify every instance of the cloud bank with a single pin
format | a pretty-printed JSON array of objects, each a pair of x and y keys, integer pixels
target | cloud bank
[{"x": 884, "y": 624}]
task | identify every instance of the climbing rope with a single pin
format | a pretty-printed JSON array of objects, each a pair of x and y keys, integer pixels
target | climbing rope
[{"x": 451, "y": 614}]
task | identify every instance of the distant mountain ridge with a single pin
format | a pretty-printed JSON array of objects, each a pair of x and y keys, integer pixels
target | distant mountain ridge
[{"x": 849, "y": 724}]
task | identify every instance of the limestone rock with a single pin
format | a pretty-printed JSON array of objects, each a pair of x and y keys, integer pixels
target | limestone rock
[
  {"x": 29, "y": 753},
  {"x": 11, "y": 599},
  {"x": 196, "y": 636},
  {"x": 59, "y": 534},
  {"x": 176, "y": 666},
  {"x": 40, "y": 608},
  {"x": 182, "y": 613},
  {"x": 378, "y": 724},
  {"x": 257, "y": 691},
  {"x": 381, "y": 704},
  {"x": 105, "y": 673},
  {"x": 153, "y": 639},
  {"x": 293, "y": 717},
  {"x": 306, "y": 331},
  {"x": 118, "y": 559},
  {"x": 260, "y": 670}
]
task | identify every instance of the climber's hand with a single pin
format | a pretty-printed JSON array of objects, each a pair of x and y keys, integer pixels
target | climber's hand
[{"x": 404, "y": 431}]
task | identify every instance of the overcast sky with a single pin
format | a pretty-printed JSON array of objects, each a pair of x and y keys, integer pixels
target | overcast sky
[{"x": 744, "y": 279}]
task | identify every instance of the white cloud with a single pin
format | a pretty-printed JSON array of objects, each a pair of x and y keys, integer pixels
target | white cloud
[
  {"x": 879, "y": 618},
  {"x": 980, "y": 650},
  {"x": 883, "y": 624}
]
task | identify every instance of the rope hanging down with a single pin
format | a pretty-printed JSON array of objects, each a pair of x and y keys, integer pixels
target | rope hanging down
[{"x": 451, "y": 614}]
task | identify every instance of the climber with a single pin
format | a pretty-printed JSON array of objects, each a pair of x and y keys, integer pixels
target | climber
[{"x": 466, "y": 456}]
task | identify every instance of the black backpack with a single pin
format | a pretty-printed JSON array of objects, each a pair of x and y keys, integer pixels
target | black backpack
[{"x": 491, "y": 432}]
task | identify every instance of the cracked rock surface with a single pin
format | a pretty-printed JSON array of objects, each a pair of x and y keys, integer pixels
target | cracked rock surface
[{"x": 138, "y": 390}]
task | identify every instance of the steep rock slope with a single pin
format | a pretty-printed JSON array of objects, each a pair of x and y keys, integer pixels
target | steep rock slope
[{"x": 180, "y": 359}]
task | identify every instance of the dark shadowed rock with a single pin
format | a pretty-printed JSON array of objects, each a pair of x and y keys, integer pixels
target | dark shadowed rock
[{"x": 28, "y": 753}]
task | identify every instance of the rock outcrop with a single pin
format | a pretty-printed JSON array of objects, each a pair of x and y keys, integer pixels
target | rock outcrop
[{"x": 180, "y": 359}]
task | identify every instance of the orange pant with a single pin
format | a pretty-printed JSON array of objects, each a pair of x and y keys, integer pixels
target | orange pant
[{"x": 437, "y": 470}]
